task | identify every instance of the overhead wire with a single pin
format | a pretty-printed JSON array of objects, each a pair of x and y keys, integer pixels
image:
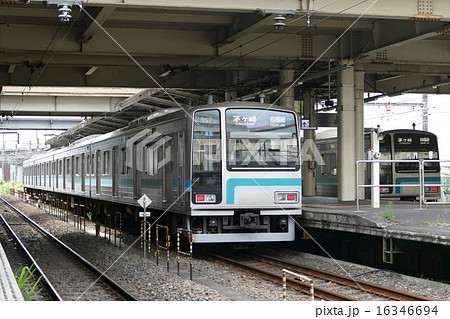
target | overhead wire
[
  {"x": 362, "y": 14},
  {"x": 133, "y": 59},
  {"x": 241, "y": 56},
  {"x": 158, "y": 84},
  {"x": 29, "y": 83},
  {"x": 240, "y": 46},
  {"x": 40, "y": 72}
]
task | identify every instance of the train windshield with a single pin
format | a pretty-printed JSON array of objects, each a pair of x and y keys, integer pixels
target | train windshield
[
  {"x": 261, "y": 139},
  {"x": 415, "y": 147},
  {"x": 207, "y": 161}
]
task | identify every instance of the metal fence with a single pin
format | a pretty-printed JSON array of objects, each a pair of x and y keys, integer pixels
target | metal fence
[
  {"x": 421, "y": 179},
  {"x": 444, "y": 198}
]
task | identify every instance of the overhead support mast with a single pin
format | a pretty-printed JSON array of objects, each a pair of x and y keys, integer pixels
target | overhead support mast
[
  {"x": 309, "y": 179},
  {"x": 359, "y": 125}
]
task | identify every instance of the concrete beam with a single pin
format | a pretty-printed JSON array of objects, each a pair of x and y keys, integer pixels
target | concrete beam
[
  {"x": 249, "y": 27},
  {"x": 95, "y": 27},
  {"x": 36, "y": 123},
  {"x": 400, "y": 9},
  {"x": 381, "y": 8},
  {"x": 56, "y": 105}
]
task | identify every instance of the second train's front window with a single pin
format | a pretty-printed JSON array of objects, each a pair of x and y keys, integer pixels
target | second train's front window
[{"x": 258, "y": 138}]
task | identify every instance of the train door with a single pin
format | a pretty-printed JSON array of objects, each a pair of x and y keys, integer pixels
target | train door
[
  {"x": 72, "y": 172},
  {"x": 114, "y": 170},
  {"x": 137, "y": 175},
  {"x": 97, "y": 171},
  {"x": 64, "y": 165},
  {"x": 180, "y": 164},
  {"x": 83, "y": 180},
  {"x": 168, "y": 169}
]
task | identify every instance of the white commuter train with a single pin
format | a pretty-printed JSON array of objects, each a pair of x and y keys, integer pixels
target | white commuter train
[{"x": 229, "y": 171}]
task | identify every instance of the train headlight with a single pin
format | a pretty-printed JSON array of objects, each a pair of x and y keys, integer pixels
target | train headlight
[
  {"x": 205, "y": 198},
  {"x": 283, "y": 222},
  {"x": 286, "y": 197}
]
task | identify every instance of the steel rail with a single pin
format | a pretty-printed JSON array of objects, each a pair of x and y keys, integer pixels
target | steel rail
[
  {"x": 297, "y": 285},
  {"x": 46, "y": 282},
  {"x": 97, "y": 272},
  {"x": 348, "y": 281}
]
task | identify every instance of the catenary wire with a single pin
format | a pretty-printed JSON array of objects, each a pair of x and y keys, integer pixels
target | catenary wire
[{"x": 273, "y": 42}]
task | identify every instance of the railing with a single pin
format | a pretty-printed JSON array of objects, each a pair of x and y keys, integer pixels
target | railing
[
  {"x": 299, "y": 277},
  {"x": 166, "y": 245},
  {"x": 441, "y": 185},
  {"x": 385, "y": 185},
  {"x": 180, "y": 231},
  {"x": 421, "y": 177}
]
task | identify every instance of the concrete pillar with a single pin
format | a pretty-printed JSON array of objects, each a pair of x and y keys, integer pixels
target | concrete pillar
[
  {"x": 6, "y": 172},
  {"x": 346, "y": 135},
  {"x": 287, "y": 99},
  {"x": 308, "y": 172},
  {"x": 359, "y": 127},
  {"x": 19, "y": 176}
]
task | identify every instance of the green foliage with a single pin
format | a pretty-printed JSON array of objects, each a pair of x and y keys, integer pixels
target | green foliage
[
  {"x": 442, "y": 221},
  {"x": 27, "y": 283},
  {"x": 388, "y": 212},
  {"x": 5, "y": 186}
]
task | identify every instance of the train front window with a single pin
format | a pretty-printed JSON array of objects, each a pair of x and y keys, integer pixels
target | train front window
[
  {"x": 386, "y": 154},
  {"x": 207, "y": 162},
  {"x": 415, "y": 147},
  {"x": 261, "y": 139}
]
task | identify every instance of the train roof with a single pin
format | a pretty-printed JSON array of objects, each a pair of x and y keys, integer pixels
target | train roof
[
  {"x": 332, "y": 133},
  {"x": 158, "y": 117}
]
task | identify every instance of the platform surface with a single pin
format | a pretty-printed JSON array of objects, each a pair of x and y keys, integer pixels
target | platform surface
[
  {"x": 396, "y": 219},
  {"x": 9, "y": 289}
]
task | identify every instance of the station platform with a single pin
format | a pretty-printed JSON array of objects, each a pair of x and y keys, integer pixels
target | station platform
[
  {"x": 9, "y": 289},
  {"x": 394, "y": 219}
]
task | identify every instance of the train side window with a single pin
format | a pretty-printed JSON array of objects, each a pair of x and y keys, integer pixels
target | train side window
[
  {"x": 150, "y": 160},
  {"x": 124, "y": 168},
  {"x": 68, "y": 167},
  {"x": 88, "y": 158},
  {"x": 98, "y": 162},
  {"x": 77, "y": 166},
  {"x": 92, "y": 164},
  {"x": 106, "y": 163}
]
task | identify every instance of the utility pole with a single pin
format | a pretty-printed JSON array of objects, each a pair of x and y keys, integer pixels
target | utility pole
[{"x": 425, "y": 112}]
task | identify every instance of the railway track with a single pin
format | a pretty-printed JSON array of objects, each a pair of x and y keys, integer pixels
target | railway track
[
  {"x": 327, "y": 286},
  {"x": 371, "y": 288},
  {"x": 66, "y": 274}
]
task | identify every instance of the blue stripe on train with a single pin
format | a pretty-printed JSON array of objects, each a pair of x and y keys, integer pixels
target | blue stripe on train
[
  {"x": 232, "y": 183},
  {"x": 415, "y": 180}
]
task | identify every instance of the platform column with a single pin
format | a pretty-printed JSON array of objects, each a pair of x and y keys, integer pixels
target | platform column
[
  {"x": 359, "y": 126},
  {"x": 287, "y": 99},
  {"x": 308, "y": 165},
  {"x": 346, "y": 135}
]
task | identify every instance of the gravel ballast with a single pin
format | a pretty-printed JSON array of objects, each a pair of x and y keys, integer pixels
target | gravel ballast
[{"x": 213, "y": 280}]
